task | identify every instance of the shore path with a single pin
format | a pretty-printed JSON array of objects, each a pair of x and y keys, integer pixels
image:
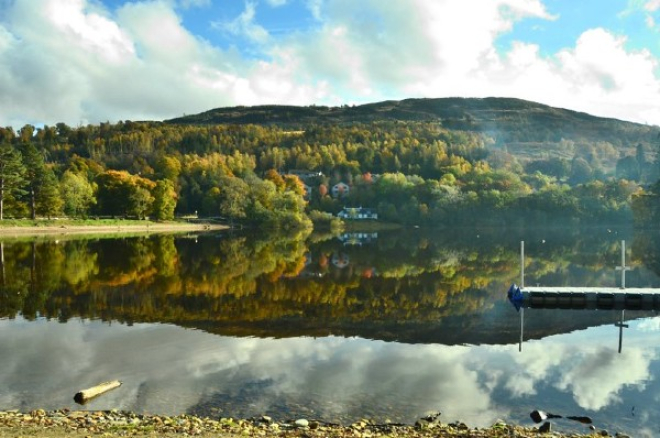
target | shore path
[{"x": 107, "y": 229}]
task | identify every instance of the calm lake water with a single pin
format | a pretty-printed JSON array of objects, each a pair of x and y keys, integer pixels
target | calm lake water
[{"x": 387, "y": 326}]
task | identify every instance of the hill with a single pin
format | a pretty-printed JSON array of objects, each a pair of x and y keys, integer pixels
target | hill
[{"x": 505, "y": 120}]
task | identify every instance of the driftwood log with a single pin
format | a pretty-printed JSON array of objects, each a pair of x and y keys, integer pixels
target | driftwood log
[{"x": 85, "y": 395}]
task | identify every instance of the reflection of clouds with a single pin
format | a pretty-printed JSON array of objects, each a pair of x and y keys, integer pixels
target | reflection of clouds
[
  {"x": 598, "y": 375},
  {"x": 649, "y": 325},
  {"x": 535, "y": 366},
  {"x": 593, "y": 375},
  {"x": 167, "y": 369}
]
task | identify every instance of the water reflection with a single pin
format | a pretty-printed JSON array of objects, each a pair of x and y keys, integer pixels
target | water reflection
[
  {"x": 166, "y": 369},
  {"x": 411, "y": 287},
  {"x": 405, "y": 323}
]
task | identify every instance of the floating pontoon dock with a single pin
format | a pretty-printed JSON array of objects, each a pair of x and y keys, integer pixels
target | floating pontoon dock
[
  {"x": 589, "y": 298},
  {"x": 551, "y": 297}
]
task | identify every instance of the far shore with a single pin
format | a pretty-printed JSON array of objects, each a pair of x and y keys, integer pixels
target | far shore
[{"x": 71, "y": 227}]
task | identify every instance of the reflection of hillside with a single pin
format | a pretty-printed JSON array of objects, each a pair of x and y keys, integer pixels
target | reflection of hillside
[{"x": 408, "y": 287}]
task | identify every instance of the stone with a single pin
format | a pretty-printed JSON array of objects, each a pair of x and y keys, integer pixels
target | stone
[
  {"x": 545, "y": 427},
  {"x": 429, "y": 421},
  {"x": 538, "y": 416},
  {"x": 301, "y": 423}
]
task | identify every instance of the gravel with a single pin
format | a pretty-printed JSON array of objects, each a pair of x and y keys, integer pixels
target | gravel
[{"x": 114, "y": 423}]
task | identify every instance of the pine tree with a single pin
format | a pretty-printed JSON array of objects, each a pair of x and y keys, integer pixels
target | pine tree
[
  {"x": 35, "y": 169},
  {"x": 11, "y": 174},
  {"x": 49, "y": 200}
]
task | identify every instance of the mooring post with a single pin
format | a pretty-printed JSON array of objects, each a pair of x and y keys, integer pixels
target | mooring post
[
  {"x": 621, "y": 326},
  {"x": 522, "y": 326},
  {"x": 623, "y": 268},
  {"x": 522, "y": 263}
]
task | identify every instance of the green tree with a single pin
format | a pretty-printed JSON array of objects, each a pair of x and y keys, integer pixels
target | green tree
[
  {"x": 140, "y": 202},
  {"x": 11, "y": 174},
  {"x": 164, "y": 200},
  {"x": 49, "y": 200},
  {"x": 77, "y": 194},
  {"x": 234, "y": 195},
  {"x": 581, "y": 171},
  {"x": 35, "y": 170}
]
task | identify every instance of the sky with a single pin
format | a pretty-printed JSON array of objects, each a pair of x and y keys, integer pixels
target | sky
[{"x": 91, "y": 61}]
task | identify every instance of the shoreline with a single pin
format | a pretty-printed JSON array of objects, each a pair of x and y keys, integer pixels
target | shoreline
[
  {"x": 80, "y": 423},
  {"x": 69, "y": 228}
]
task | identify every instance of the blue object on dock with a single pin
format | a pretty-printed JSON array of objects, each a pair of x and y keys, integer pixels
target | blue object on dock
[{"x": 515, "y": 296}]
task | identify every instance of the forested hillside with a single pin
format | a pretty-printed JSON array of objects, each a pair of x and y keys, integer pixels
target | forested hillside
[{"x": 419, "y": 161}]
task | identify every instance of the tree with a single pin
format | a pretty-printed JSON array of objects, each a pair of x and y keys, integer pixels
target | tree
[
  {"x": 120, "y": 193},
  {"x": 164, "y": 200},
  {"x": 234, "y": 195},
  {"x": 141, "y": 202},
  {"x": 49, "y": 200},
  {"x": 11, "y": 174},
  {"x": 628, "y": 168},
  {"x": 35, "y": 169},
  {"x": 77, "y": 194},
  {"x": 581, "y": 171}
]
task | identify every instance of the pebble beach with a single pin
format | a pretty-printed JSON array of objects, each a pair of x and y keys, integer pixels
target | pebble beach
[{"x": 66, "y": 423}]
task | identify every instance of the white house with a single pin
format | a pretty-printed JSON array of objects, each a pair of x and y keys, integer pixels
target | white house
[{"x": 358, "y": 213}]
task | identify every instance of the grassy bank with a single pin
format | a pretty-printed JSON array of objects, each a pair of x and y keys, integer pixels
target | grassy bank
[{"x": 23, "y": 227}]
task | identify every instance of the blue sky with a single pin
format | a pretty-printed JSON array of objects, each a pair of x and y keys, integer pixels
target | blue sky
[{"x": 87, "y": 61}]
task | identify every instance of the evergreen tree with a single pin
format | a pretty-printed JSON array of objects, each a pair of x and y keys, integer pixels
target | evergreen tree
[
  {"x": 49, "y": 200},
  {"x": 11, "y": 174},
  {"x": 35, "y": 170}
]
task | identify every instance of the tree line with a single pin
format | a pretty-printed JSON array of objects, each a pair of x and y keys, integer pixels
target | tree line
[{"x": 411, "y": 172}]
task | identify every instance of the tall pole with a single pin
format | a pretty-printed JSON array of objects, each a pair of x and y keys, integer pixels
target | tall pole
[
  {"x": 621, "y": 326},
  {"x": 522, "y": 263},
  {"x": 623, "y": 268},
  {"x": 522, "y": 326}
]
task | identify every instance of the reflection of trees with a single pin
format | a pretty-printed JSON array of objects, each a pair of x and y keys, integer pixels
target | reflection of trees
[{"x": 241, "y": 282}]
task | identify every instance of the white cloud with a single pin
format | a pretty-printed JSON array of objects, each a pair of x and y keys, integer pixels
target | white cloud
[
  {"x": 186, "y": 4},
  {"x": 652, "y": 5},
  {"x": 314, "y": 7},
  {"x": 66, "y": 60},
  {"x": 599, "y": 376},
  {"x": 276, "y": 3},
  {"x": 650, "y": 22},
  {"x": 73, "y": 61},
  {"x": 244, "y": 25}
]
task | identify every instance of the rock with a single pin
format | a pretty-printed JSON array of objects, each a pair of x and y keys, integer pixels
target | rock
[
  {"x": 266, "y": 419},
  {"x": 545, "y": 427},
  {"x": 538, "y": 416},
  {"x": 428, "y": 422},
  {"x": 581, "y": 419},
  {"x": 301, "y": 423}
]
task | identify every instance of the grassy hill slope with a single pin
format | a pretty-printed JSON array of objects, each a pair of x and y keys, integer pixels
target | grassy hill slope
[{"x": 504, "y": 119}]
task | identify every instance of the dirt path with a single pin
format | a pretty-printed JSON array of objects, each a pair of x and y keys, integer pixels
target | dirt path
[{"x": 106, "y": 229}]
